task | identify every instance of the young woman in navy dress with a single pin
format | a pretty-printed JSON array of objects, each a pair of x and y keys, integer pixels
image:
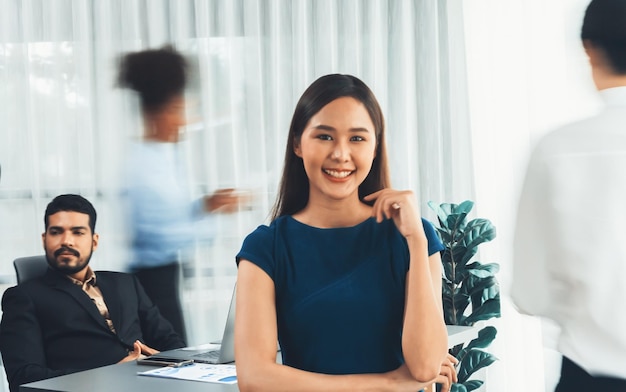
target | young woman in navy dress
[{"x": 347, "y": 276}]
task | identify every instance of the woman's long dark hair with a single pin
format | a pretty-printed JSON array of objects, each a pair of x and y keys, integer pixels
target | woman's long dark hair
[{"x": 293, "y": 194}]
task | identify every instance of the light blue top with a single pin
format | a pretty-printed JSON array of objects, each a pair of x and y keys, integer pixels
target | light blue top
[
  {"x": 339, "y": 292},
  {"x": 163, "y": 218}
]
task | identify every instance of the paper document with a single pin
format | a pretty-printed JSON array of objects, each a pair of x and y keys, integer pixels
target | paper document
[{"x": 223, "y": 374}]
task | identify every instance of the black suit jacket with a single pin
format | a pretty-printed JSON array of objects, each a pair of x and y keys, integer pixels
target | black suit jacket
[{"x": 50, "y": 326}]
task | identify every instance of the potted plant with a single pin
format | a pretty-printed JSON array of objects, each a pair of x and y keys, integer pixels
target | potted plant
[{"x": 470, "y": 290}]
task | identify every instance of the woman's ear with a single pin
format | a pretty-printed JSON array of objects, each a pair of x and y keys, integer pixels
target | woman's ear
[{"x": 297, "y": 150}]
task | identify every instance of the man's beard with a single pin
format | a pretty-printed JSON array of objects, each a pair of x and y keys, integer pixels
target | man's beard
[{"x": 64, "y": 268}]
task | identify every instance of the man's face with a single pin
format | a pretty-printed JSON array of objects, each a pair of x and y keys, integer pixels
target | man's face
[{"x": 69, "y": 242}]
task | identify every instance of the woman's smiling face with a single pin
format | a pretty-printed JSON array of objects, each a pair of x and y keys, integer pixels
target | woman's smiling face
[{"x": 337, "y": 147}]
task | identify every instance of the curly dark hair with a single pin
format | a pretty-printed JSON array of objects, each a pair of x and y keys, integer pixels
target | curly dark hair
[{"x": 156, "y": 75}]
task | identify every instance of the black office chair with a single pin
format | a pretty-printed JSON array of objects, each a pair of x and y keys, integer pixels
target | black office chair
[{"x": 30, "y": 267}]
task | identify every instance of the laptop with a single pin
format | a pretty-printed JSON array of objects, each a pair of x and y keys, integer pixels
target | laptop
[{"x": 224, "y": 354}]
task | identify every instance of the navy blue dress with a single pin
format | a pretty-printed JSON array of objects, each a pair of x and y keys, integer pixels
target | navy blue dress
[{"x": 339, "y": 292}]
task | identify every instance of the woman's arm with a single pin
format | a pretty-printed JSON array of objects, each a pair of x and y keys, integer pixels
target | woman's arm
[
  {"x": 424, "y": 335},
  {"x": 434, "y": 261},
  {"x": 255, "y": 348}
]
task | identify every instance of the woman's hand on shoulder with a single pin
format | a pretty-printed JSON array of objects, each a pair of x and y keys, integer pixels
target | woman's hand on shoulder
[{"x": 401, "y": 206}]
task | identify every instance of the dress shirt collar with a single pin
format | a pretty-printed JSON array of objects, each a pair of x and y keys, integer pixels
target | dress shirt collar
[
  {"x": 90, "y": 278},
  {"x": 615, "y": 96}
]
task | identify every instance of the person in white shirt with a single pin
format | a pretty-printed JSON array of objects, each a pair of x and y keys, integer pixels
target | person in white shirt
[{"x": 569, "y": 247}]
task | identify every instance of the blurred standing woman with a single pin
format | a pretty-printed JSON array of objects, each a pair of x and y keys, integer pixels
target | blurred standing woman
[
  {"x": 347, "y": 276},
  {"x": 163, "y": 217}
]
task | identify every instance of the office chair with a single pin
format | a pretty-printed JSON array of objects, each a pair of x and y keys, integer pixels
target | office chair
[{"x": 30, "y": 267}]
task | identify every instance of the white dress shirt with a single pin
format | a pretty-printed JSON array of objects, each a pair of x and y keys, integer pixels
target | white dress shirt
[{"x": 570, "y": 240}]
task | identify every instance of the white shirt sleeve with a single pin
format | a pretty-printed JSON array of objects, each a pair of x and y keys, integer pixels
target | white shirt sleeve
[{"x": 530, "y": 288}]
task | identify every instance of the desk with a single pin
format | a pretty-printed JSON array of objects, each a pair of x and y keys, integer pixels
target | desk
[{"x": 123, "y": 376}]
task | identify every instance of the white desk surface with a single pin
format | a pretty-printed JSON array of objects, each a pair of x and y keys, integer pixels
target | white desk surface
[
  {"x": 123, "y": 377},
  {"x": 458, "y": 334}
]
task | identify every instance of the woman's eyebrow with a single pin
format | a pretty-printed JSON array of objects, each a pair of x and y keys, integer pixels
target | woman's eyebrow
[{"x": 323, "y": 127}]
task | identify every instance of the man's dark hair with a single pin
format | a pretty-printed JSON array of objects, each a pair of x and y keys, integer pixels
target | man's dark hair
[
  {"x": 604, "y": 27},
  {"x": 73, "y": 203}
]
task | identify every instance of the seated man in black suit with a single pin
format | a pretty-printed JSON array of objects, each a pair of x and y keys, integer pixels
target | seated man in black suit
[{"x": 73, "y": 318}]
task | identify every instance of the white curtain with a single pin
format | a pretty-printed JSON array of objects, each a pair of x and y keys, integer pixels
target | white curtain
[
  {"x": 509, "y": 70},
  {"x": 64, "y": 126},
  {"x": 527, "y": 74}
]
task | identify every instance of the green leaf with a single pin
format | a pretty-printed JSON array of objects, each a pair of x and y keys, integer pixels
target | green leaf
[
  {"x": 474, "y": 285},
  {"x": 466, "y": 257},
  {"x": 476, "y": 269},
  {"x": 483, "y": 270},
  {"x": 446, "y": 287},
  {"x": 475, "y": 264},
  {"x": 444, "y": 210},
  {"x": 484, "y": 339},
  {"x": 465, "y": 207},
  {"x": 461, "y": 302},
  {"x": 472, "y": 362},
  {"x": 456, "y": 223},
  {"x": 458, "y": 254},
  {"x": 460, "y": 275},
  {"x": 448, "y": 310},
  {"x": 491, "y": 292},
  {"x": 445, "y": 236},
  {"x": 452, "y": 219},
  {"x": 448, "y": 271},
  {"x": 477, "y": 232},
  {"x": 488, "y": 293},
  {"x": 458, "y": 388},
  {"x": 478, "y": 222},
  {"x": 489, "y": 309},
  {"x": 473, "y": 384},
  {"x": 451, "y": 262}
]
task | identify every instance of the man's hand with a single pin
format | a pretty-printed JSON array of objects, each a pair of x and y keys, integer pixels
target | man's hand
[{"x": 139, "y": 351}]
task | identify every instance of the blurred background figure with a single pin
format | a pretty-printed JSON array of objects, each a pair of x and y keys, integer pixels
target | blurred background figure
[
  {"x": 163, "y": 218},
  {"x": 570, "y": 254}
]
